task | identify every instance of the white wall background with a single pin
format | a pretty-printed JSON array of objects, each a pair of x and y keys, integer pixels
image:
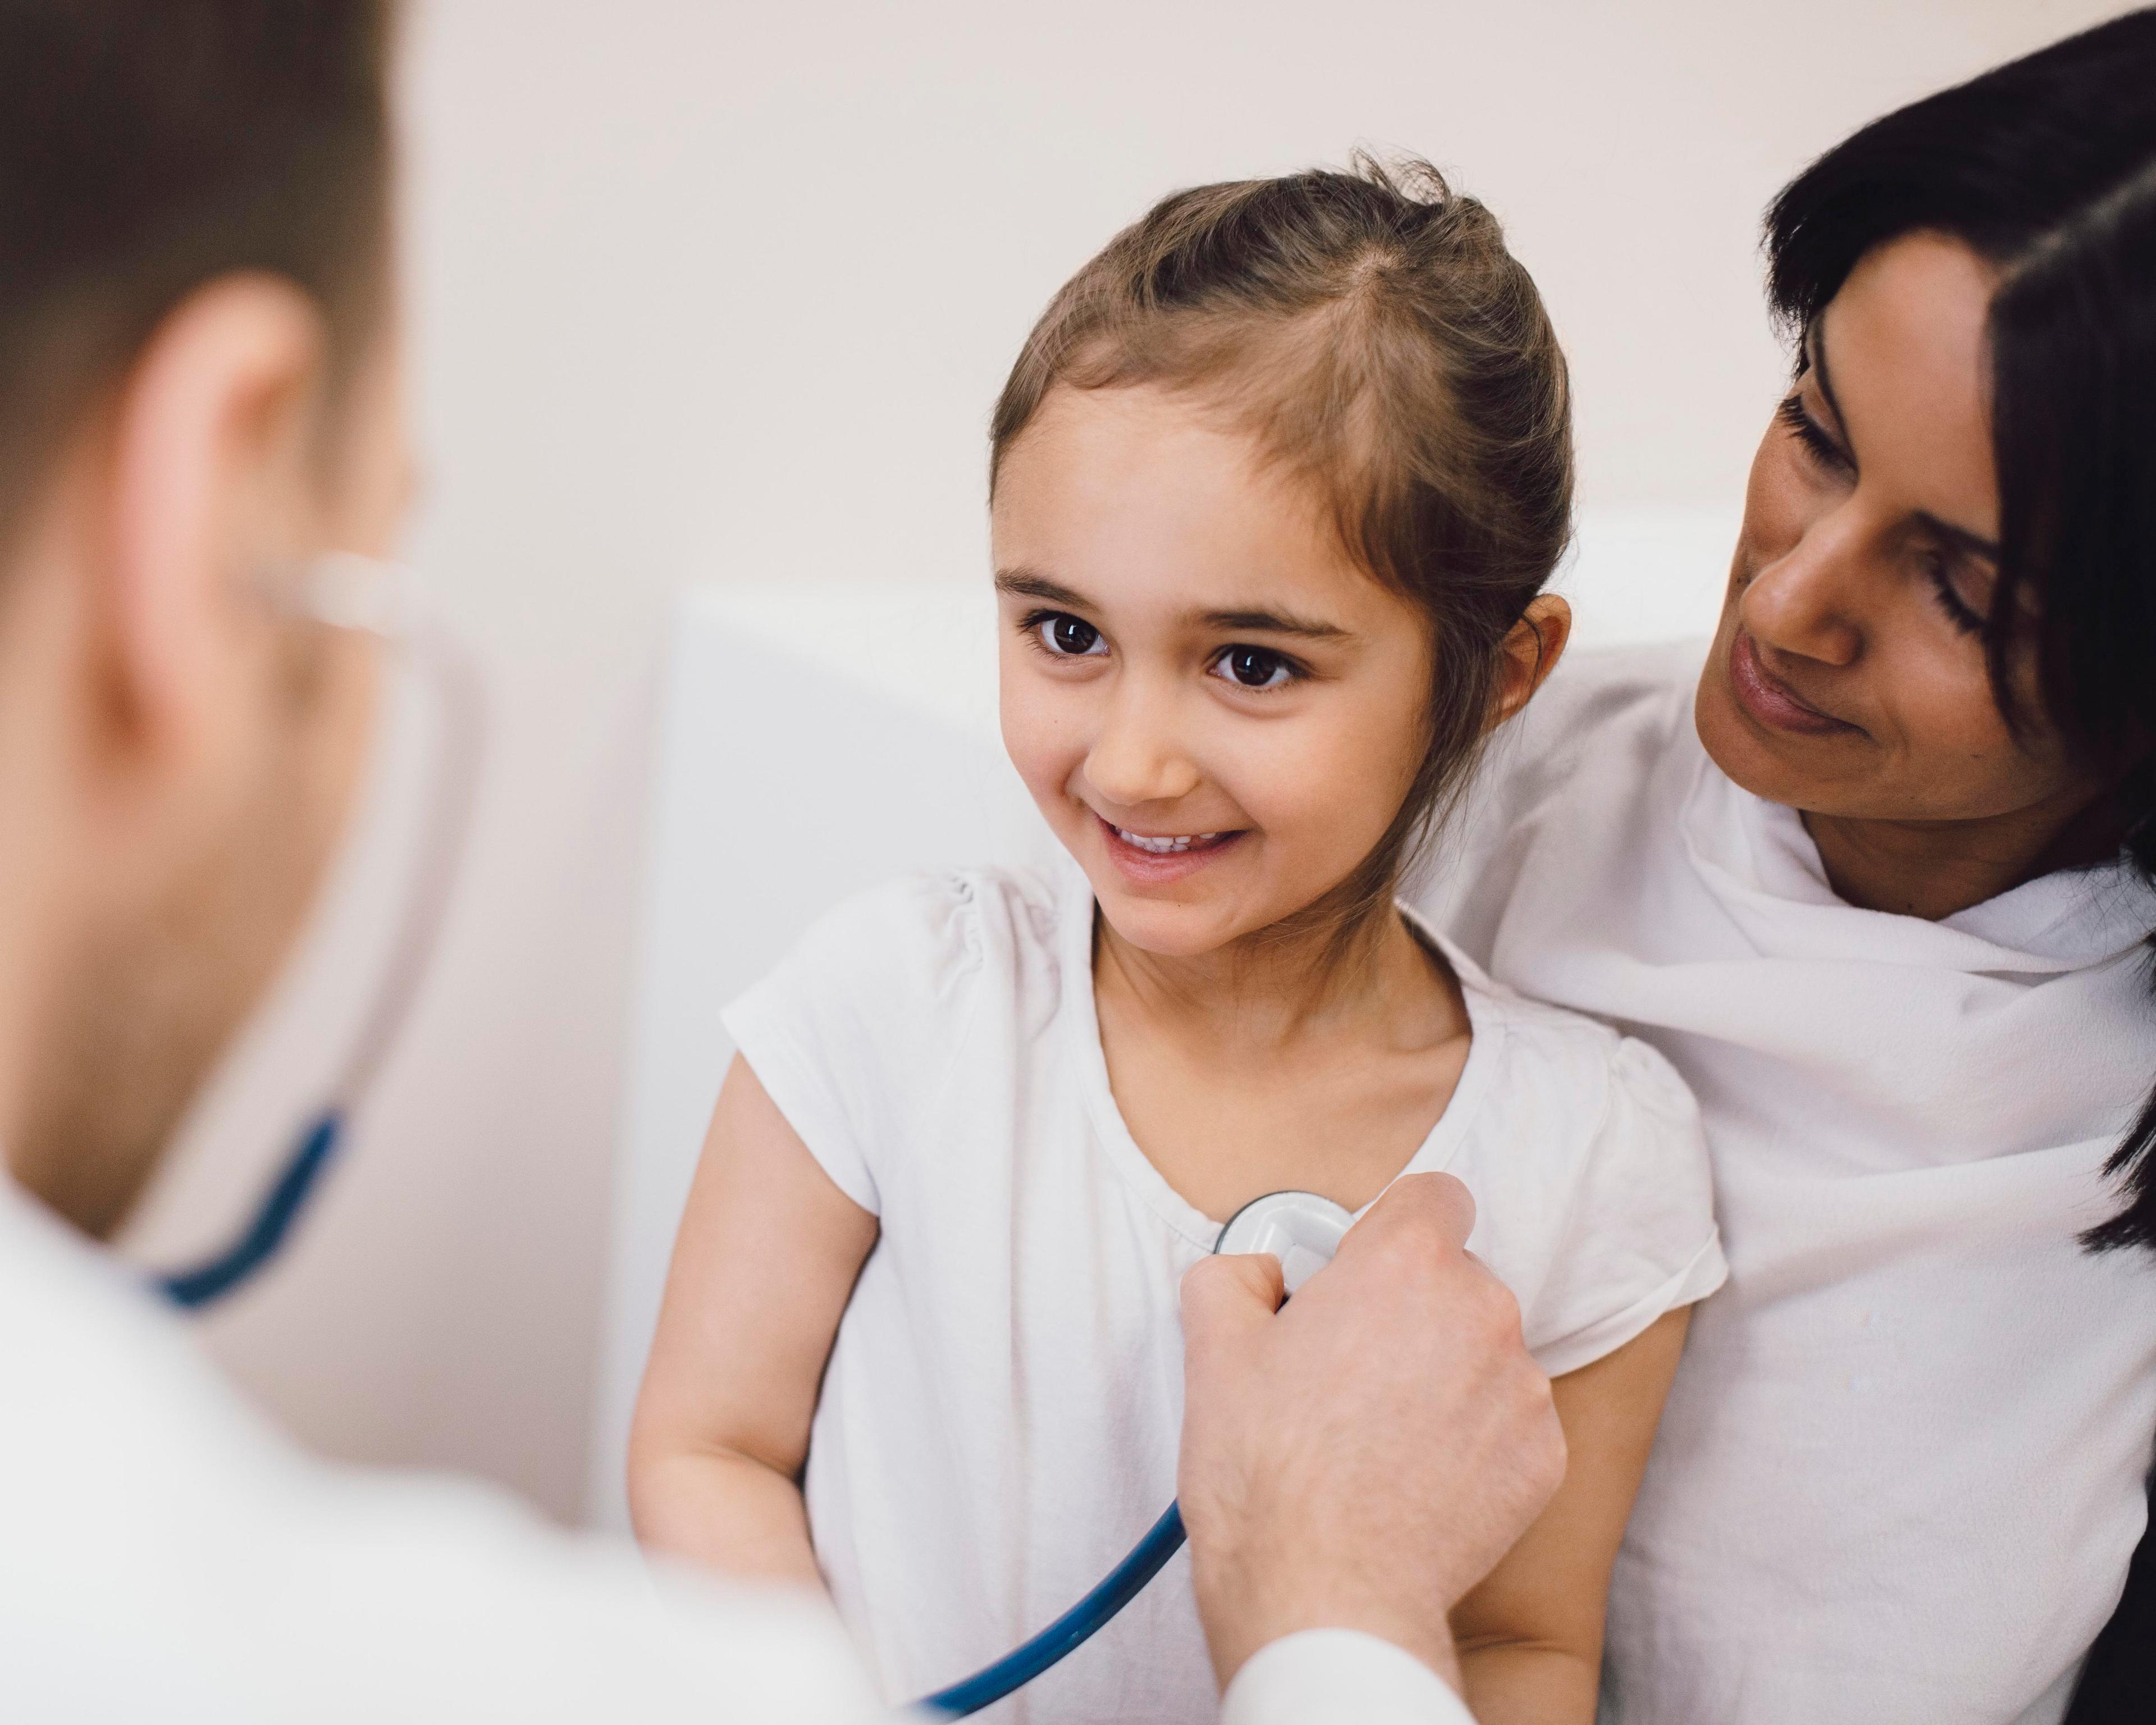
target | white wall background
[{"x": 705, "y": 292}]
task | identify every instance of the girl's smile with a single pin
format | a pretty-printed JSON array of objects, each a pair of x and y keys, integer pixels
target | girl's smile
[{"x": 1156, "y": 859}]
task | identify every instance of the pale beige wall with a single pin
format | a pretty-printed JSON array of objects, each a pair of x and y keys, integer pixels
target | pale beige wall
[{"x": 703, "y": 290}]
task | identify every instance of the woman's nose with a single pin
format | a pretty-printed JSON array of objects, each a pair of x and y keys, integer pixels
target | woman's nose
[
  {"x": 1806, "y": 601},
  {"x": 1136, "y": 756}
]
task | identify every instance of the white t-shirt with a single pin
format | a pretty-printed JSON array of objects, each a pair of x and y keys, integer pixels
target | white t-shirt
[
  {"x": 1901, "y": 1473},
  {"x": 165, "y": 1556},
  {"x": 999, "y": 1419}
]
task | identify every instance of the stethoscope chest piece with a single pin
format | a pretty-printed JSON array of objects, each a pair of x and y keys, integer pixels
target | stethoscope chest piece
[{"x": 1300, "y": 1229}]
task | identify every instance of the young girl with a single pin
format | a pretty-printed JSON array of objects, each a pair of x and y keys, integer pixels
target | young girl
[{"x": 1276, "y": 484}]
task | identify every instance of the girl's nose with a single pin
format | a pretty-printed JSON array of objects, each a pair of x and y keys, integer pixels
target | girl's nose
[
  {"x": 1136, "y": 757},
  {"x": 1807, "y": 601}
]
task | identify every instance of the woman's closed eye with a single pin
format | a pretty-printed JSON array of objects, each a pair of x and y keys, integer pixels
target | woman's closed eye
[
  {"x": 1255, "y": 668},
  {"x": 1822, "y": 448},
  {"x": 1952, "y": 583},
  {"x": 1061, "y": 635}
]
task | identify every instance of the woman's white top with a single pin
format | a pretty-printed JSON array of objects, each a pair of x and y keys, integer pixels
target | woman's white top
[
  {"x": 1901, "y": 1473},
  {"x": 165, "y": 1556},
  {"x": 1000, "y": 1418}
]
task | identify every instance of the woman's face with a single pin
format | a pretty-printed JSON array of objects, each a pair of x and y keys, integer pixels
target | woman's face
[
  {"x": 1848, "y": 679},
  {"x": 1217, "y": 710}
]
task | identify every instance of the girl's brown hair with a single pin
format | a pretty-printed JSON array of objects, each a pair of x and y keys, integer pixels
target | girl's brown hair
[{"x": 1371, "y": 330}]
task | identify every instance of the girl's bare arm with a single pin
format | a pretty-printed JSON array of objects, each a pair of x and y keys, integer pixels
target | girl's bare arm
[
  {"x": 1530, "y": 1636},
  {"x": 765, "y": 1262}
]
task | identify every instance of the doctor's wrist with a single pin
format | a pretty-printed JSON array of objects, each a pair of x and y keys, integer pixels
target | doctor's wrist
[
  {"x": 1246, "y": 1609},
  {"x": 1339, "y": 1677}
]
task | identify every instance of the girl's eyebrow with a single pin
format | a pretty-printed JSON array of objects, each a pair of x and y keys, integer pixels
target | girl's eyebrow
[
  {"x": 1274, "y": 623},
  {"x": 1024, "y": 583}
]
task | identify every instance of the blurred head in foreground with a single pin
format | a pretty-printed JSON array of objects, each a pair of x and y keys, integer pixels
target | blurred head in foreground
[{"x": 199, "y": 396}]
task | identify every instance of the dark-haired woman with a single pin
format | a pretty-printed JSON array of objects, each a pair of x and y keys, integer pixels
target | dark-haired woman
[{"x": 1877, "y": 880}]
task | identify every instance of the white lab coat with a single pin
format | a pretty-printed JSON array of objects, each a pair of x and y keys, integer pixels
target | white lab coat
[{"x": 165, "y": 1556}]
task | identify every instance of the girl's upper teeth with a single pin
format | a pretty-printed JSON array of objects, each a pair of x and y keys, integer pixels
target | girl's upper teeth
[{"x": 1165, "y": 843}]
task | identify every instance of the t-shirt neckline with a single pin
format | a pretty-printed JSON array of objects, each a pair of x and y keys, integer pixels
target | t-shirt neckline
[{"x": 1076, "y": 907}]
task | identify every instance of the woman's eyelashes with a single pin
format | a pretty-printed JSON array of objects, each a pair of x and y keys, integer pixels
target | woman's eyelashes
[
  {"x": 1821, "y": 448},
  {"x": 1939, "y": 570}
]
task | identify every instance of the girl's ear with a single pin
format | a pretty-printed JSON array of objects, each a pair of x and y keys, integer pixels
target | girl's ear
[{"x": 1529, "y": 653}]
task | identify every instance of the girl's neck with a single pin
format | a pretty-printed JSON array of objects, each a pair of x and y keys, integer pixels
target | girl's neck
[{"x": 1272, "y": 991}]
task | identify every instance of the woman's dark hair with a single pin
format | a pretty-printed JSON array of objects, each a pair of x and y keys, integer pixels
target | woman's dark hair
[
  {"x": 148, "y": 146},
  {"x": 2046, "y": 167},
  {"x": 1372, "y": 333}
]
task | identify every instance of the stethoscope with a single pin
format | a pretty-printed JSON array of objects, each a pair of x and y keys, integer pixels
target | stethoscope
[
  {"x": 346, "y": 591},
  {"x": 1303, "y": 1231}
]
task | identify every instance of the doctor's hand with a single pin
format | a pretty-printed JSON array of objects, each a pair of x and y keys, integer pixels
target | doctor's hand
[{"x": 1361, "y": 1457}]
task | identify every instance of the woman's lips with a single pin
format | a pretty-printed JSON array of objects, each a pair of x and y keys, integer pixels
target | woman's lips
[
  {"x": 1153, "y": 859},
  {"x": 1770, "y": 702}
]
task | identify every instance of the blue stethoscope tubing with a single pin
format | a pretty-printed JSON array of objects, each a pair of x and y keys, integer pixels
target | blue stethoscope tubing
[
  {"x": 257, "y": 1243},
  {"x": 1069, "y": 1631},
  {"x": 451, "y": 801},
  {"x": 1279, "y": 1223}
]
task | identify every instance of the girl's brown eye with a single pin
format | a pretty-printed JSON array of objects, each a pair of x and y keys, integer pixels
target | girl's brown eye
[
  {"x": 1254, "y": 667},
  {"x": 1069, "y": 637}
]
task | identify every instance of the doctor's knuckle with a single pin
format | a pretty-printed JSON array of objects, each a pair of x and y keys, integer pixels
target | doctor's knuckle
[{"x": 1487, "y": 1312}]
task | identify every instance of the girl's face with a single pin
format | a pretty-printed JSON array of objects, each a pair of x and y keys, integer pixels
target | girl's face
[
  {"x": 1848, "y": 677},
  {"x": 1217, "y": 711}
]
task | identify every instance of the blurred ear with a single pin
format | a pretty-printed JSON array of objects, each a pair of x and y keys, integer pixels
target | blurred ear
[
  {"x": 1531, "y": 651},
  {"x": 211, "y": 481}
]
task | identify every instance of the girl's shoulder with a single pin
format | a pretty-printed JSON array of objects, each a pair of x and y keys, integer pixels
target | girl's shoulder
[
  {"x": 1566, "y": 1063},
  {"x": 913, "y": 951},
  {"x": 1593, "y": 1185},
  {"x": 890, "y": 1000}
]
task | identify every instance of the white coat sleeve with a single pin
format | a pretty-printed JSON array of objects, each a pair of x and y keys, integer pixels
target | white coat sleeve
[
  {"x": 1338, "y": 1677},
  {"x": 164, "y": 1555}
]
